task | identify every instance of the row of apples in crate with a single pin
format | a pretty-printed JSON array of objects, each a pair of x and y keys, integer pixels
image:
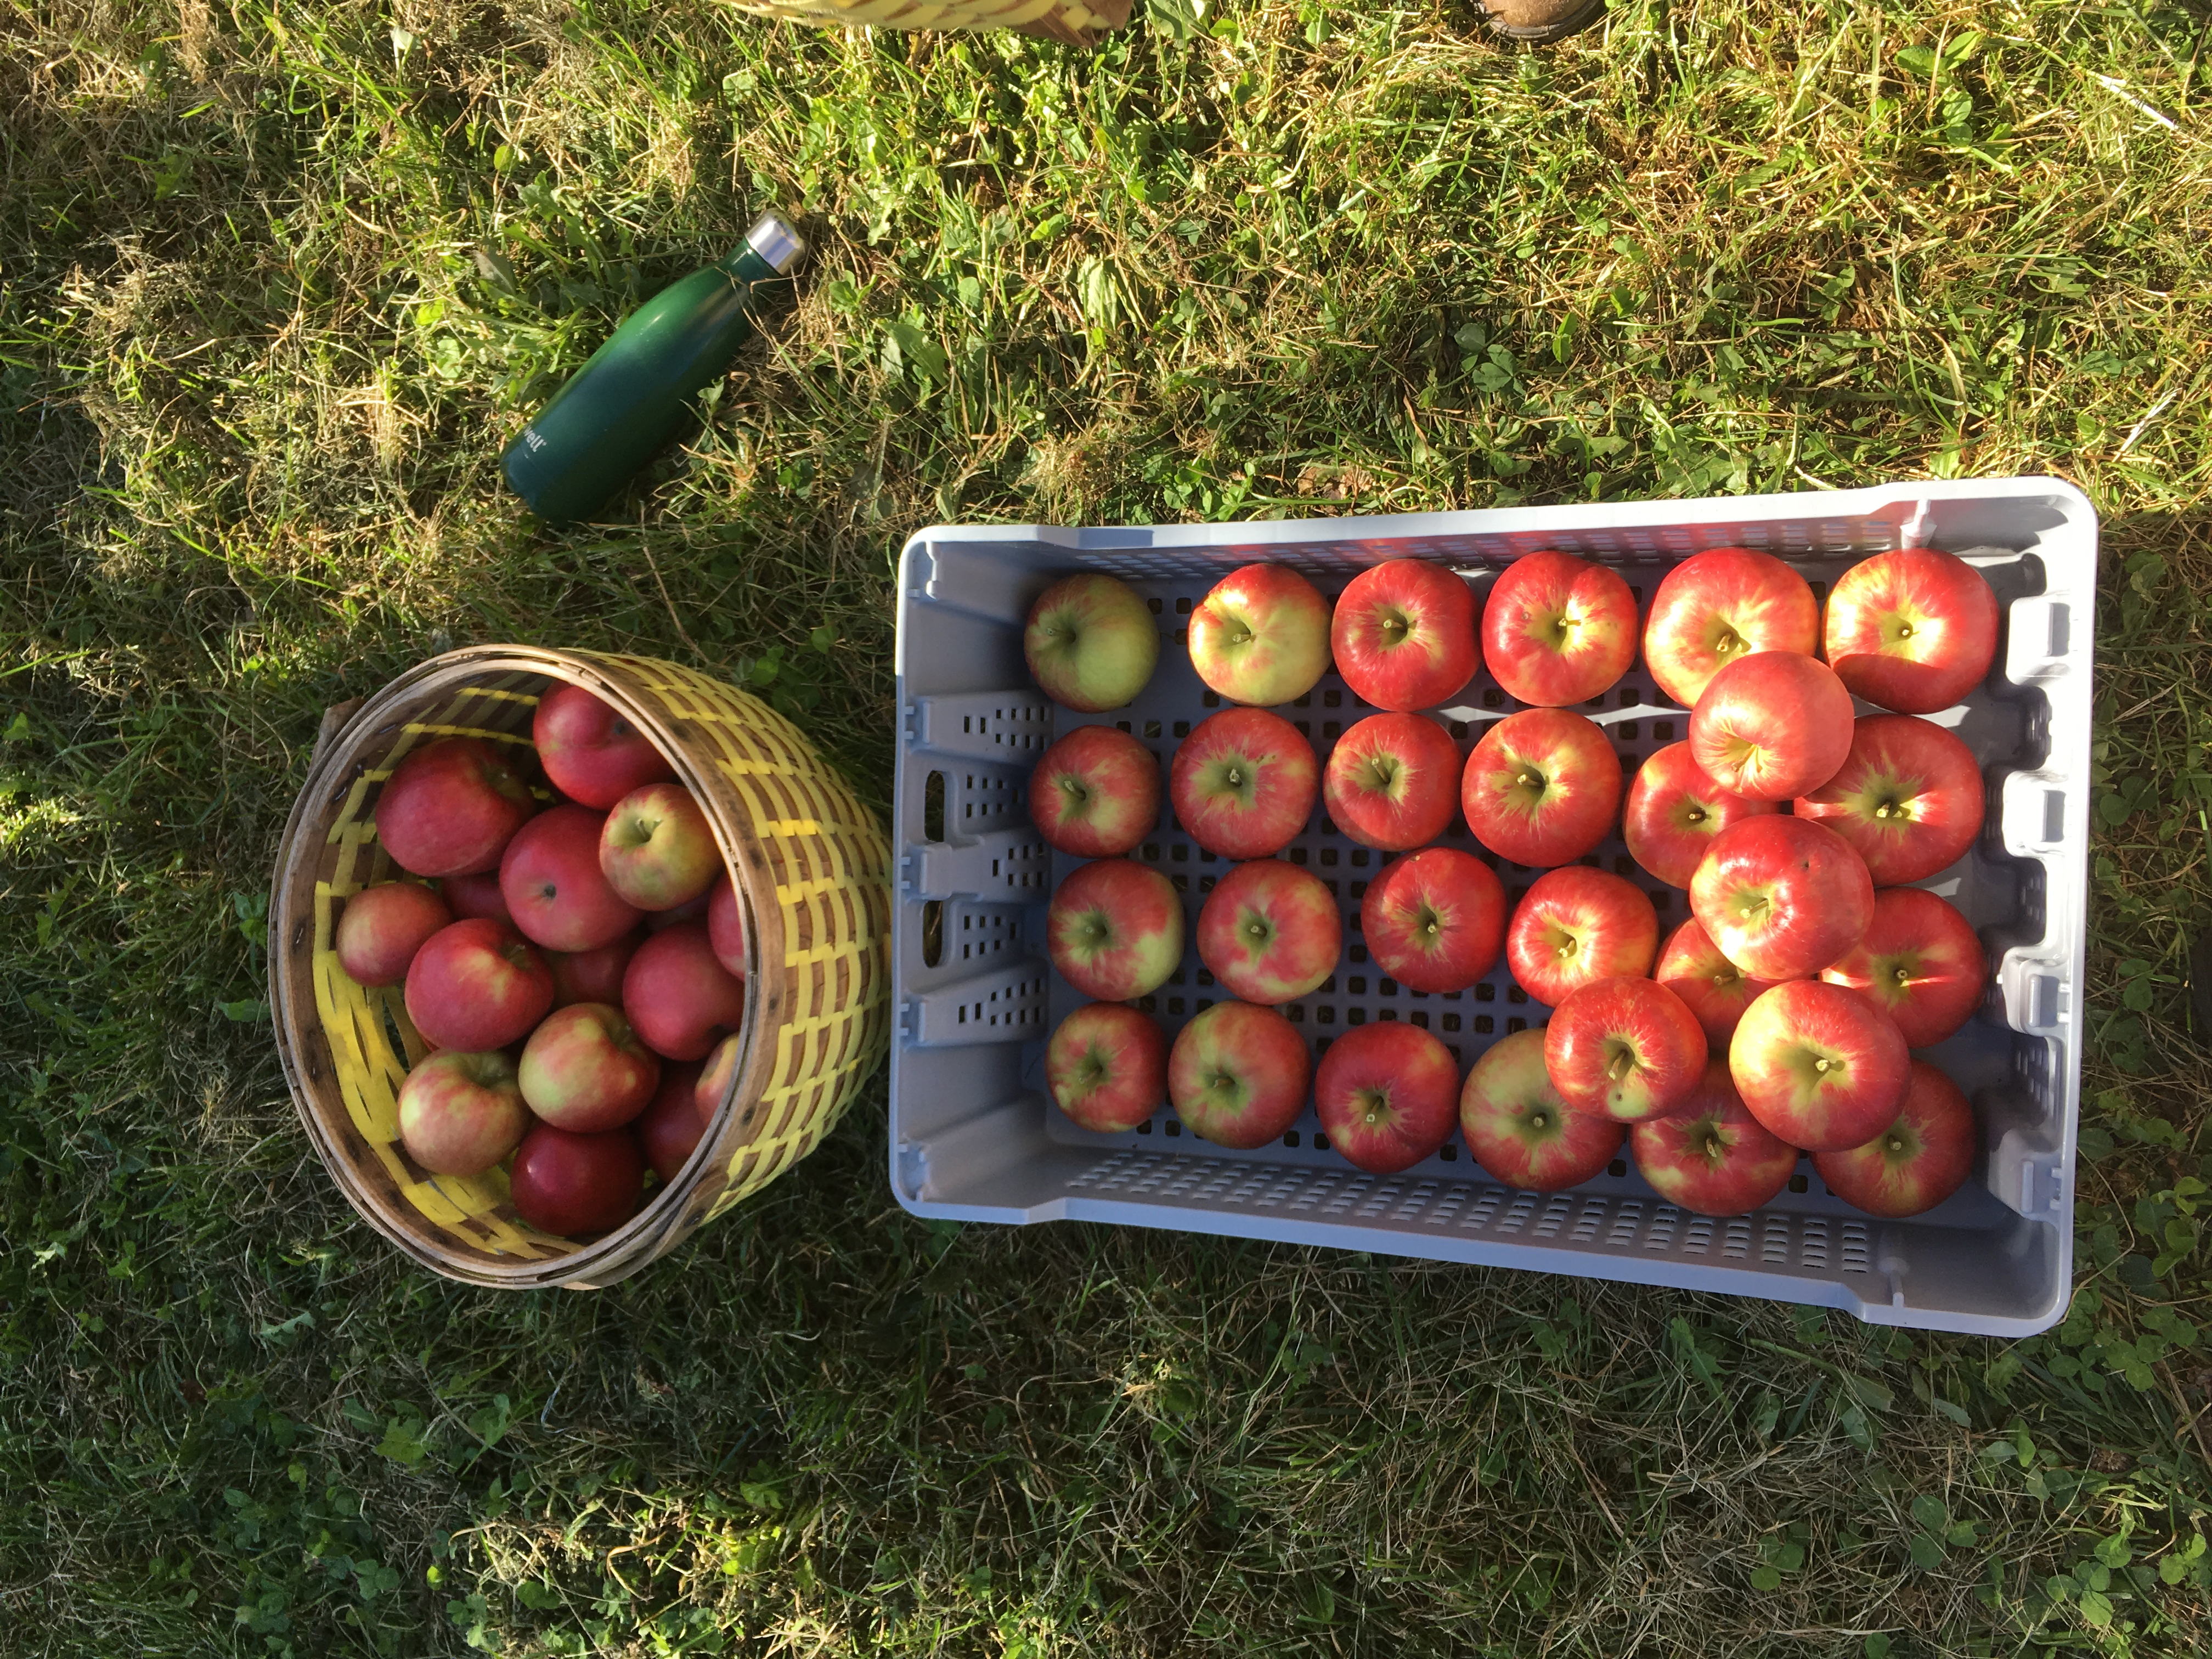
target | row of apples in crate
[
  {"x": 1780, "y": 1019},
  {"x": 577, "y": 969}
]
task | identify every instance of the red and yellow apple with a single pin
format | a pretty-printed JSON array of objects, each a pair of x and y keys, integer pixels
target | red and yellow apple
[
  {"x": 656, "y": 848},
  {"x": 1818, "y": 1064},
  {"x": 1914, "y": 631},
  {"x": 1919, "y": 1159},
  {"x": 1711, "y": 987},
  {"x": 1387, "y": 1095},
  {"x": 1243, "y": 783},
  {"x": 1673, "y": 812},
  {"x": 1628, "y": 1047},
  {"x": 1541, "y": 787},
  {"x": 1557, "y": 629},
  {"x": 1717, "y": 607},
  {"x": 1114, "y": 930},
  {"x": 1712, "y": 1156},
  {"x": 1096, "y": 793},
  {"x": 1403, "y": 635},
  {"x": 1238, "y": 1075},
  {"x": 554, "y": 887},
  {"x": 381, "y": 927},
  {"x": 460, "y": 1112},
  {"x": 574, "y": 1184},
  {"x": 1434, "y": 921},
  {"x": 1392, "y": 782},
  {"x": 716, "y": 1075},
  {"x": 1920, "y": 962},
  {"x": 450, "y": 808},
  {"x": 589, "y": 751},
  {"x": 584, "y": 1069},
  {"x": 477, "y": 985},
  {"x": 1908, "y": 796},
  {"x": 1270, "y": 932},
  {"x": 1090, "y": 642},
  {"x": 680, "y": 999},
  {"x": 1782, "y": 897},
  {"x": 1519, "y": 1129},
  {"x": 1771, "y": 725},
  {"x": 1260, "y": 635},
  {"x": 1107, "y": 1066},
  {"x": 1575, "y": 925}
]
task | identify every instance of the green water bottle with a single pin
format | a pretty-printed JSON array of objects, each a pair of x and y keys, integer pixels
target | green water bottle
[{"x": 618, "y": 411}]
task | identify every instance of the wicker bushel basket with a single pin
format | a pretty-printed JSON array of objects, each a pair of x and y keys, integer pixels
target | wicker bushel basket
[
  {"x": 810, "y": 866},
  {"x": 1076, "y": 22}
]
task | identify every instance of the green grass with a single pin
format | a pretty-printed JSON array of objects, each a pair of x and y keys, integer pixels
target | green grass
[{"x": 274, "y": 285}]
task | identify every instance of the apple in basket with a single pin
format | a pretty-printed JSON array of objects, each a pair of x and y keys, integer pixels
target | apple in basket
[
  {"x": 1557, "y": 629},
  {"x": 1673, "y": 812},
  {"x": 591, "y": 975},
  {"x": 1923, "y": 1157},
  {"x": 1260, "y": 635},
  {"x": 1818, "y": 1064},
  {"x": 460, "y": 1112},
  {"x": 1387, "y": 1096},
  {"x": 726, "y": 927},
  {"x": 714, "y": 1080},
  {"x": 1114, "y": 930},
  {"x": 476, "y": 895},
  {"x": 656, "y": 848},
  {"x": 1392, "y": 782},
  {"x": 476, "y": 985},
  {"x": 1107, "y": 1066},
  {"x": 1908, "y": 796},
  {"x": 1712, "y": 1156},
  {"x": 1243, "y": 783},
  {"x": 572, "y": 1184},
  {"x": 1714, "y": 988},
  {"x": 554, "y": 887},
  {"x": 1270, "y": 931},
  {"x": 1519, "y": 1129},
  {"x": 381, "y": 927},
  {"x": 1920, "y": 962},
  {"x": 669, "y": 1128},
  {"x": 1096, "y": 793},
  {"x": 1575, "y": 925},
  {"x": 589, "y": 751},
  {"x": 1434, "y": 921},
  {"x": 584, "y": 1069},
  {"x": 1782, "y": 897},
  {"x": 1542, "y": 788},
  {"x": 1238, "y": 1075},
  {"x": 680, "y": 999},
  {"x": 1914, "y": 631},
  {"x": 1403, "y": 635},
  {"x": 1720, "y": 605},
  {"x": 1771, "y": 725},
  {"x": 1090, "y": 642},
  {"x": 450, "y": 808},
  {"x": 1628, "y": 1047}
]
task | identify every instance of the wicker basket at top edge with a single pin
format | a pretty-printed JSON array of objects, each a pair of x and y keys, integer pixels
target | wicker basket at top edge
[
  {"x": 1076, "y": 23},
  {"x": 812, "y": 866}
]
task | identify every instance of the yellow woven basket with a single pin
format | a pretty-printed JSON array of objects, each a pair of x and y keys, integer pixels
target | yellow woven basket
[
  {"x": 1077, "y": 23},
  {"x": 812, "y": 867}
]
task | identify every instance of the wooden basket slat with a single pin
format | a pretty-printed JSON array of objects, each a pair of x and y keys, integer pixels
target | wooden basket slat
[{"x": 812, "y": 866}]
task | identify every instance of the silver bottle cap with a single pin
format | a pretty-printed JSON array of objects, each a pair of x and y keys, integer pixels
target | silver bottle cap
[{"x": 776, "y": 242}]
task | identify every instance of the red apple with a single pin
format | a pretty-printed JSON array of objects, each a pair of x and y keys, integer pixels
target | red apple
[
  {"x": 671, "y": 1128},
  {"x": 656, "y": 848},
  {"x": 1782, "y": 897},
  {"x": 1914, "y": 631},
  {"x": 476, "y": 895},
  {"x": 460, "y": 1112},
  {"x": 1114, "y": 930},
  {"x": 1542, "y": 788},
  {"x": 1673, "y": 812},
  {"x": 715, "y": 1076},
  {"x": 1092, "y": 643},
  {"x": 692, "y": 909},
  {"x": 584, "y": 1069},
  {"x": 589, "y": 751},
  {"x": 1771, "y": 725},
  {"x": 1918, "y": 1161},
  {"x": 1392, "y": 782},
  {"x": 681, "y": 1001},
  {"x": 1628, "y": 1047},
  {"x": 591, "y": 975},
  {"x": 1238, "y": 1075},
  {"x": 1107, "y": 1067},
  {"x": 551, "y": 880},
  {"x": 1096, "y": 793},
  {"x": 1243, "y": 783},
  {"x": 382, "y": 927},
  {"x": 450, "y": 807},
  {"x": 476, "y": 986},
  {"x": 1387, "y": 1095},
  {"x": 1713, "y": 988},
  {"x": 1577, "y": 926},
  {"x": 1712, "y": 1156},
  {"x": 726, "y": 927},
  {"x": 1403, "y": 635},
  {"x": 1519, "y": 1129},
  {"x": 1260, "y": 637},
  {"x": 571, "y": 1184},
  {"x": 1270, "y": 931},
  {"x": 1557, "y": 629},
  {"x": 1909, "y": 797},
  {"x": 1920, "y": 963},
  {"x": 1720, "y": 605},
  {"x": 1821, "y": 1066},
  {"x": 1434, "y": 921}
]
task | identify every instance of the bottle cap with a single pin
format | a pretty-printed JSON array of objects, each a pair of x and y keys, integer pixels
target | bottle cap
[{"x": 777, "y": 244}]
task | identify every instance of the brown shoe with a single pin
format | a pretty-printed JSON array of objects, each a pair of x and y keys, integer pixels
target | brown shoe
[{"x": 1539, "y": 22}]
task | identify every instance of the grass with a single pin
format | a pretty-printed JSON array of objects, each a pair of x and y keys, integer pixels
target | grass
[{"x": 276, "y": 283}]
